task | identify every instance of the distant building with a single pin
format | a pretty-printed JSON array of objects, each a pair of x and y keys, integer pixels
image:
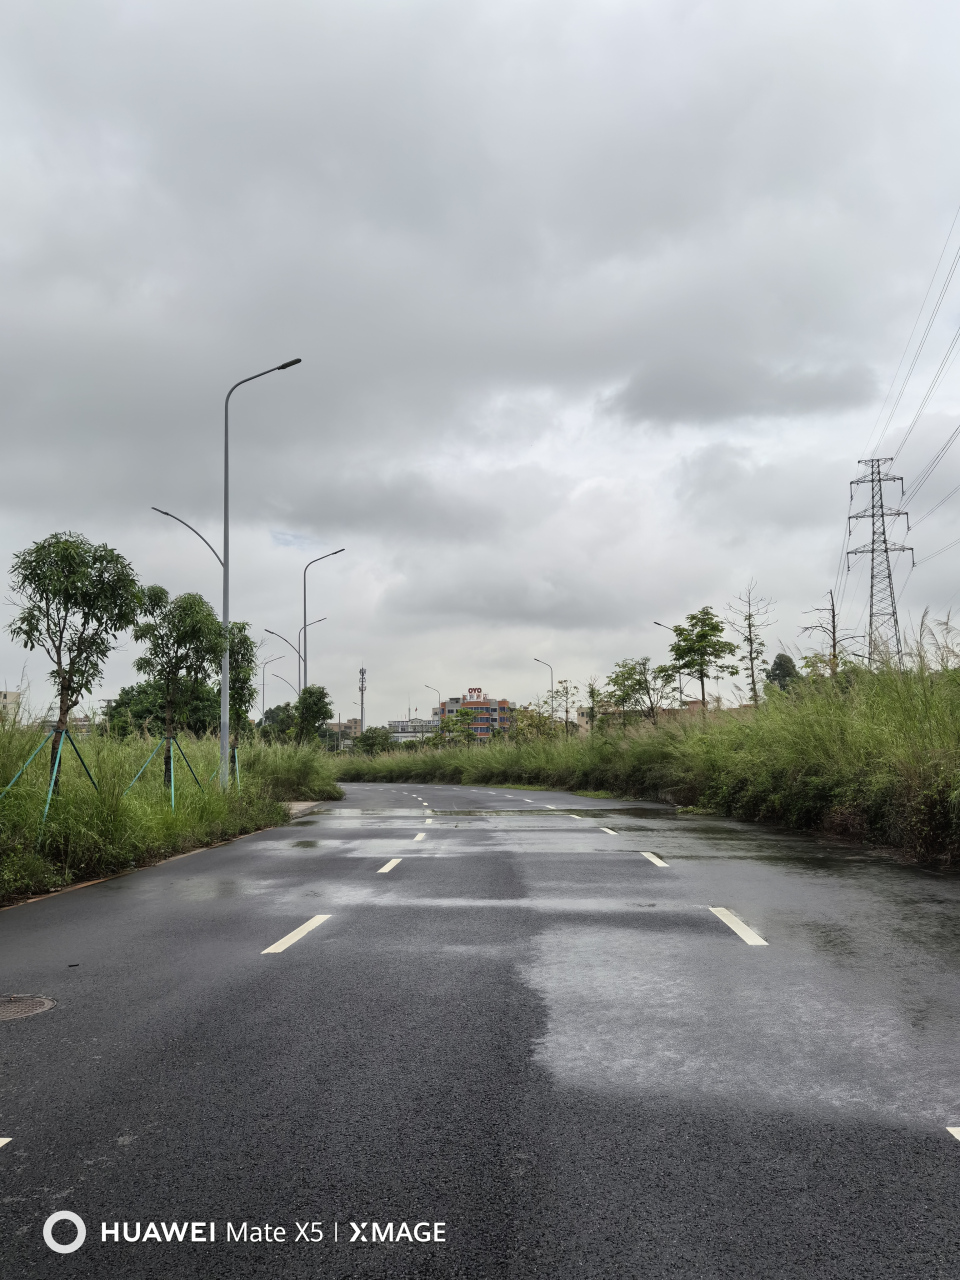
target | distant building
[
  {"x": 489, "y": 713},
  {"x": 412, "y": 730},
  {"x": 9, "y": 703}
]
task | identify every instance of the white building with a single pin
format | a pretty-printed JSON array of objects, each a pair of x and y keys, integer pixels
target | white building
[
  {"x": 9, "y": 703},
  {"x": 413, "y": 730}
]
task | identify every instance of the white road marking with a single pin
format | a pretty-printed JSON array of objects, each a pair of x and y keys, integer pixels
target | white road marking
[
  {"x": 608, "y": 831},
  {"x": 736, "y": 924},
  {"x": 549, "y": 806},
  {"x": 421, "y": 835},
  {"x": 657, "y": 862},
  {"x": 526, "y": 801},
  {"x": 575, "y": 815},
  {"x": 954, "y": 1129},
  {"x": 4, "y": 1141},
  {"x": 425, "y": 805},
  {"x": 428, "y": 820},
  {"x": 389, "y": 865},
  {"x": 297, "y": 934}
]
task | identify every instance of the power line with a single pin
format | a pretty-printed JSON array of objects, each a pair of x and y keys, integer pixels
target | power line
[
  {"x": 926, "y": 333},
  {"x": 934, "y": 383}
]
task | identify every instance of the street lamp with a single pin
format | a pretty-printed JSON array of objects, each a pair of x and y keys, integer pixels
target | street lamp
[
  {"x": 547, "y": 664},
  {"x": 305, "y": 623},
  {"x": 294, "y": 647},
  {"x": 192, "y": 530},
  {"x": 225, "y": 669},
  {"x": 263, "y": 694},
  {"x": 303, "y": 632},
  {"x": 439, "y": 706},
  {"x": 284, "y": 679}
]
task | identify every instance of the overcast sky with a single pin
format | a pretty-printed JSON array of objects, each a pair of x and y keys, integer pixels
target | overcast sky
[{"x": 597, "y": 302}]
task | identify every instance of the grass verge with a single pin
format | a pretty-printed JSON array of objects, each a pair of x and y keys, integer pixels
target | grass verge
[
  {"x": 91, "y": 833},
  {"x": 869, "y": 755}
]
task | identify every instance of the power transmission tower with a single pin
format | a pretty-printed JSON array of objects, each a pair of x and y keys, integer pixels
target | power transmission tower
[
  {"x": 883, "y": 632},
  {"x": 363, "y": 690}
]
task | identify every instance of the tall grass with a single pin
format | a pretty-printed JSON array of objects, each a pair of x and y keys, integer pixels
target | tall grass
[
  {"x": 89, "y": 833},
  {"x": 871, "y": 755}
]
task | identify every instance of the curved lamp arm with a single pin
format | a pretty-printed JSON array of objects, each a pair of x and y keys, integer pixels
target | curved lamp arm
[{"x": 191, "y": 528}]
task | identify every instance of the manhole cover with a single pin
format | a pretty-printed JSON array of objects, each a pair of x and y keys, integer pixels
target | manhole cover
[{"x": 23, "y": 1006}]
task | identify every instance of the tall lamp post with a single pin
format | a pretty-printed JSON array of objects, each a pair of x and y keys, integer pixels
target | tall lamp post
[
  {"x": 305, "y": 623},
  {"x": 439, "y": 707},
  {"x": 547, "y": 664},
  {"x": 225, "y": 669}
]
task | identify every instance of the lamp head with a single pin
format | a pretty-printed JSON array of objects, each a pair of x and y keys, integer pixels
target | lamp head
[{"x": 288, "y": 364}]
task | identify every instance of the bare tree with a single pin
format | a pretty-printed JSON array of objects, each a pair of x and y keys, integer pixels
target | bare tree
[
  {"x": 749, "y": 616},
  {"x": 827, "y": 626}
]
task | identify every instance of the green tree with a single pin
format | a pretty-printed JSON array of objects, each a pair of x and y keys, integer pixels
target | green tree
[
  {"x": 279, "y": 722},
  {"x": 700, "y": 649},
  {"x": 782, "y": 670},
  {"x": 75, "y": 598},
  {"x": 184, "y": 647},
  {"x": 534, "y": 721},
  {"x": 313, "y": 712},
  {"x": 636, "y": 685},
  {"x": 750, "y": 616},
  {"x": 374, "y": 740},
  {"x": 459, "y": 726},
  {"x": 143, "y": 706},
  {"x": 243, "y": 677}
]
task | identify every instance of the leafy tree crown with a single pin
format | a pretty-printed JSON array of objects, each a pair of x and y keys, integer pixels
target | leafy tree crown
[{"x": 75, "y": 597}]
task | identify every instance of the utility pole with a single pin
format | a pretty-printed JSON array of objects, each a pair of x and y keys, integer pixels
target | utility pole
[
  {"x": 363, "y": 690},
  {"x": 883, "y": 634}
]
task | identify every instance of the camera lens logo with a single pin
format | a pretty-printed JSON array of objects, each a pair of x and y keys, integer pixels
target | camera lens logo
[{"x": 64, "y": 1216}]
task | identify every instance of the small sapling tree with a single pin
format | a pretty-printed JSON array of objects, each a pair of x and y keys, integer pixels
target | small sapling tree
[
  {"x": 75, "y": 598},
  {"x": 184, "y": 647},
  {"x": 566, "y": 694}
]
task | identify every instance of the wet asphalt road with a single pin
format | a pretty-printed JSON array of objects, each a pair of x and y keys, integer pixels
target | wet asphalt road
[{"x": 525, "y": 1030}]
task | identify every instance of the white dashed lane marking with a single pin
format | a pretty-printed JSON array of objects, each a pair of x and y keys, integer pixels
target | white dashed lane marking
[
  {"x": 955, "y": 1130},
  {"x": 388, "y": 866},
  {"x": 4, "y": 1141},
  {"x": 421, "y": 835},
  {"x": 657, "y": 862},
  {"x": 608, "y": 831},
  {"x": 736, "y": 924},
  {"x": 297, "y": 934},
  {"x": 428, "y": 820}
]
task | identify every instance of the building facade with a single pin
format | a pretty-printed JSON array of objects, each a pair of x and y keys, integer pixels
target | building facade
[
  {"x": 489, "y": 713},
  {"x": 9, "y": 703}
]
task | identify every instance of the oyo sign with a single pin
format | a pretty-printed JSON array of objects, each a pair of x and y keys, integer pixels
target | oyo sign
[{"x": 475, "y": 693}]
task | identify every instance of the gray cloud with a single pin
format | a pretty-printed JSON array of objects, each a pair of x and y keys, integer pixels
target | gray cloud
[{"x": 507, "y": 239}]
